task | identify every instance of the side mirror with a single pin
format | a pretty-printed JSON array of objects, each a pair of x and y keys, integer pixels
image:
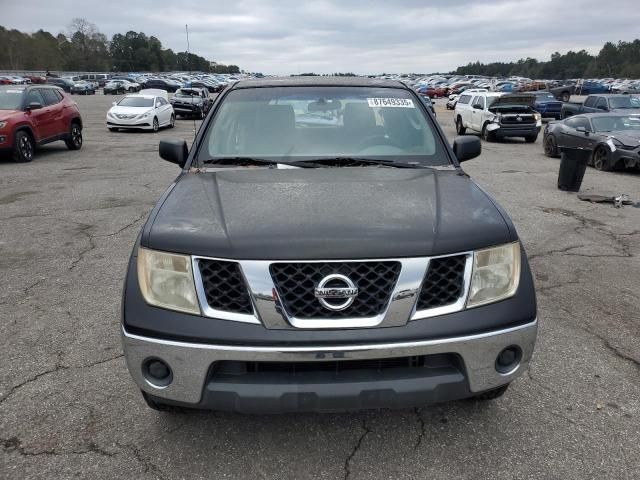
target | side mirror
[
  {"x": 34, "y": 106},
  {"x": 466, "y": 148},
  {"x": 174, "y": 150},
  {"x": 603, "y": 108},
  {"x": 477, "y": 106},
  {"x": 582, "y": 130}
]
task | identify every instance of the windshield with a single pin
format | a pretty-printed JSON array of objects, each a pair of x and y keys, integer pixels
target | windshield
[
  {"x": 546, "y": 96},
  {"x": 303, "y": 123},
  {"x": 136, "y": 102},
  {"x": 616, "y": 123},
  {"x": 10, "y": 99},
  {"x": 187, "y": 93},
  {"x": 624, "y": 102}
]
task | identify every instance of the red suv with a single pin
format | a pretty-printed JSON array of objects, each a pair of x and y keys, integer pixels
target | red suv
[{"x": 32, "y": 115}]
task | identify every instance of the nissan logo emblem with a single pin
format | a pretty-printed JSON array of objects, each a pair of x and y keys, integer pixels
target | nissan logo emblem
[{"x": 334, "y": 288}]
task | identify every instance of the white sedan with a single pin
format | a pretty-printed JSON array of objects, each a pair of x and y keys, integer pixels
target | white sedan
[{"x": 147, "y": 112}]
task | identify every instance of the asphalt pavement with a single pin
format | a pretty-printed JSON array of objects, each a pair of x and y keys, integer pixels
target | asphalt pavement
[{"x": 68, "y": 408}]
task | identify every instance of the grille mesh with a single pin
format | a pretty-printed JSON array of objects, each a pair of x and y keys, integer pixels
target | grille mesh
[
  {"x": 224, "y": 286},
  {"x": 443, "y": 283},
  {"x": 296, "y": 282},
  {"x": 526, "y": 119}
]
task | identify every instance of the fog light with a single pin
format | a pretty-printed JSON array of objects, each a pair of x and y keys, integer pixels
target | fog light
[
  {"x": 508, "y": 359},
  {"x": 157, "y": 372},
  {"x": 3, "y": 139}
]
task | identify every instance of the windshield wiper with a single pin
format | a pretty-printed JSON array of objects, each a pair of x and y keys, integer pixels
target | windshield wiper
[
  {"x": 252, "y": 161},
  {"x": 357, "y": 162}
]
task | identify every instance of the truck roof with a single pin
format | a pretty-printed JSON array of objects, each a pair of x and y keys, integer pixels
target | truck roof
[{"x": 318, "y": 82}]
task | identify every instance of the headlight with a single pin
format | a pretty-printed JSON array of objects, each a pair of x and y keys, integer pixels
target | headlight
[
  {"x": 537, "y": 116},
  {"x": 166, "y": 280},
  {"x": 3, "y": 124},
  {"x": 496, "y": 274}
]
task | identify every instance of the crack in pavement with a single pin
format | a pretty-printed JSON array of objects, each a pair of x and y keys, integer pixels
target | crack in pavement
[
  {"x": 533, "y": 256},
  {"x": 422, "y": 427},
  {"x": 15, "y": 444},
  {"x": 598, "y": 226},
  {"x": 605, "y": 341},
  {"x": 57, "y": 367},
  {"x": 128, "y": 225},
  {"x": 84, "y": 230},
  {"x": 147, "y": 464},
  {"x": 356, "y": 448}
]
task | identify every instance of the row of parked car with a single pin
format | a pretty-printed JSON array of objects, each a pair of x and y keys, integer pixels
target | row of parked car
[
  {"x": 34, "y": 114},
  {"x": 606, "y": 124},
  {"x": 442, "y": 86},
  {"x": 152, "y": 109}
]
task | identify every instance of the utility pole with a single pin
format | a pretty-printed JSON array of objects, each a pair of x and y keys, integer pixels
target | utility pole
[{"x": 186, "y": 27}]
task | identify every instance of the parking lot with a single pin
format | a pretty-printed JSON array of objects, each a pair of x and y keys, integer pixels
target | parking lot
[{"x": 68, "y": 408}]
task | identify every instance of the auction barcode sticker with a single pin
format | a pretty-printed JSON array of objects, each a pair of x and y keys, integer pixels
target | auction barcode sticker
[{"x": 391, "y": 102}]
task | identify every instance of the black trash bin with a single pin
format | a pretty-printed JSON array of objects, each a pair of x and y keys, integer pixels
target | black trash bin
[{"x": 572, "y": 167}]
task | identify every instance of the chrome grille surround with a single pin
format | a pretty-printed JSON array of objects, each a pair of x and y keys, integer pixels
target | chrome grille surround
[{"x": 269, "y": 311}]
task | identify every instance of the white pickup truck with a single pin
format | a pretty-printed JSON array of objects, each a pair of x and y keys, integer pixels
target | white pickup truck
[{"x": 498, "y": 115}]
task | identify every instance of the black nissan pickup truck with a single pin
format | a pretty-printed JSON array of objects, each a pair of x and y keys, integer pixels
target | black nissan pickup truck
[{"x": 322, "y": 250}]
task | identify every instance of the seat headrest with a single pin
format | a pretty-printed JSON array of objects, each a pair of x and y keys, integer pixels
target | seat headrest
[{"x": 358, "y": 115}]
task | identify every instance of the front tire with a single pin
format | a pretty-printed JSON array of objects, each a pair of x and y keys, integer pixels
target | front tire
[
  {"x": 23, "y": 147},
  {"x": 601, "y": 160},
  {"x": 172, "y": 121},
  {"x": 550, "y": 147},
  {"x": 531, "y": 138},
  {"x": 74, "y": 142},
  {"x": 487, "y": 135},
  {"x": 156, "y": 125},
  {"x": 460, "y": 129},
  {"x": 566, "y": 96}
]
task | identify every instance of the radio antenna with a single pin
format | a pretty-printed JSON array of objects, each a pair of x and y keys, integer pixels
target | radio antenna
[{"x": 186, "y": 28}]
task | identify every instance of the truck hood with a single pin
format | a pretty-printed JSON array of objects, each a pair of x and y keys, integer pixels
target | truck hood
[
  {"x": 325, "y": 213},
  {"x": 514, "y": 99}
]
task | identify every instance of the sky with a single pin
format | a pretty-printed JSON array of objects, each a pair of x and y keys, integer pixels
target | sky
[{"x": 360, "y": 36}]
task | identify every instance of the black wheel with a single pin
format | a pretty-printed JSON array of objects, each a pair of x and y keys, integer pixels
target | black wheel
[
  {"x": 600, "y": 160},
  {"x": 531, "y": 138},
  {"x": 460, "y": 129},
  {"x": 153, "y": 403},
  {"x": 487, "y": 135},
  {"x": 104, "y": 92},
  {"x": 492, "y": 394},
  {"x": 172, "y": 121},
  {"x": 23, "y": 147},
  {"x": 200, "y": 114},
  {"x": 550, "y": 147},
  {"x": 131, "y": 90},
  {"x": 74, "y": 142},
  {"x": 565, "y": 96},
  {"x": 156, "y": 125}
]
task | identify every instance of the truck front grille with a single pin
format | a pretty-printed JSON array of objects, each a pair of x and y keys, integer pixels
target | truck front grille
[
  {"x": 296, "y": 282},
  {"x": 513, "y": 120},
  {"x": 224, "y": 286},
  {"x": 444, "y": 282}
]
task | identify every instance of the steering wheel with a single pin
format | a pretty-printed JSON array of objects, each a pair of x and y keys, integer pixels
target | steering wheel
[{"x": 377, "y": 139}]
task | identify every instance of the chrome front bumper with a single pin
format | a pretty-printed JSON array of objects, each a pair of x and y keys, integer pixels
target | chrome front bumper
[{"x": 191, "y": 362}]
